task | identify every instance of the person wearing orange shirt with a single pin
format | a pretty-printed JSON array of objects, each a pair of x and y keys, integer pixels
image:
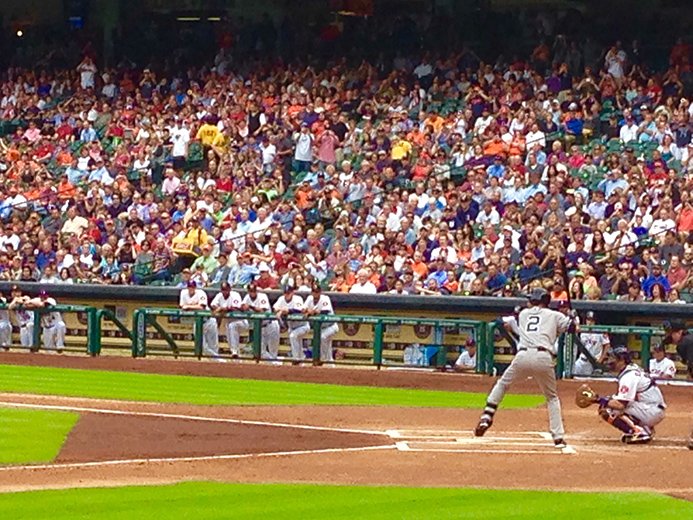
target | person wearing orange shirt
[
  {"x": 495, "y": 147},
  {"x": 304, "y": 195},
  {"x": 66, "y": 190},
  {"x": 419, "y": 267},
  {"x": 684, "y": 221},
  {"x": 435, "y": 121},
  {"x": 558, "y": 292}
]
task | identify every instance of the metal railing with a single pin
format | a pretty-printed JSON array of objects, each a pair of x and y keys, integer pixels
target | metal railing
[
  {"x": 499, "y": 353},
  {"x": 619, "y": 336},
  {"x": 379, "y": 353},
  {"x": 85, "y": 313},
  {"x": 108, "y": 315},
  {"x": 383, "y": 345}
]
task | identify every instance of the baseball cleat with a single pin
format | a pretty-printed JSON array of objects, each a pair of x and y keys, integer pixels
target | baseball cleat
[
  {"x": 484, "y": 424},
  {"x": 640, "y": 436},
  {"x": 560, "y": 444}
]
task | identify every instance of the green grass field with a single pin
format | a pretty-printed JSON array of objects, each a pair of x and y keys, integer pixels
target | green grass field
[
  {"x": 248, "y": 501},
  {"x": 30, "y": 436},
  {"x": 222, "y": 391}
]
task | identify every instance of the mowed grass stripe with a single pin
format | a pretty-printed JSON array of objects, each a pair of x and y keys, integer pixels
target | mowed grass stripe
[
  {"x": 30, "y": 436},
  {"x": 248, "y": 501},
  {"x": 223, "y": 391}
]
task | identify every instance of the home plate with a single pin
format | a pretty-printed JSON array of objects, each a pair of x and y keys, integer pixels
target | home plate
[{"x": 451, "y": 441}]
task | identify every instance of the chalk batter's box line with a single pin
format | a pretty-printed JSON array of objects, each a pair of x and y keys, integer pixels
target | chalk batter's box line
[
  {"x": 127, "y": 462},
  {"x": 548, "y": 450},
  {"x": 466, "y": 434},
  {"x": 86, "y": 409}
]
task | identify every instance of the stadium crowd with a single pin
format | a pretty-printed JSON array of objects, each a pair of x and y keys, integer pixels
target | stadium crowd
[{"x": 432, "y": 175}]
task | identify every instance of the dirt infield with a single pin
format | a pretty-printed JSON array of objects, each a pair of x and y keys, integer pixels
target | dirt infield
[{"x": 136, "y": 443}]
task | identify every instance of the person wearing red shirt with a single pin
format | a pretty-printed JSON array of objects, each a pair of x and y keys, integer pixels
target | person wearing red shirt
[
  {"x": 65, "y": 130},
  {"x": 266, "y": 280}
]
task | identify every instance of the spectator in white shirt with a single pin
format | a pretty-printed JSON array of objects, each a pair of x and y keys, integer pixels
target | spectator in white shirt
[
  {"x": 171, "y": 182},
  {"x": 662, "y": 224},
  {"x": 303, "y": 154},
  {"x": 488, "y": 215},
  {"x": 180, "y": 138},
  {"x": 629, "y": 131},
  {"x": 535, "y": 136},
  {"x": 444, "y": 251},
  {"x": 363, "y": 285}
]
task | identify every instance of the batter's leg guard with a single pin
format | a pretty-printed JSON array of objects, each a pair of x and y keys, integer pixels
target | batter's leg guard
[{"x": 486, "y": 419}]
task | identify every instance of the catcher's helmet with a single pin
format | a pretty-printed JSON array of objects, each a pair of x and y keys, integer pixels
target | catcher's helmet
[
  {"x": 619, "y": 352},
  {"x": 539, "y": 295}
]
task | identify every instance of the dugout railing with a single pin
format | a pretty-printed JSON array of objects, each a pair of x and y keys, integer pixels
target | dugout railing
[
  {"x": 640, "y": 340},
  {"x": 372, "y": 340},
  {"x": 109, "y": 315},
  {"x": 74, "y": 340}
]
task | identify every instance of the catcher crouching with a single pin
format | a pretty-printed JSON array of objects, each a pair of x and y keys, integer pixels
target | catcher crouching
[{"x": 637, "y": 407}]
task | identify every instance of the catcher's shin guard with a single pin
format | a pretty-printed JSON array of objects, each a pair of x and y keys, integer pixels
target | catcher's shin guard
[{"x": 621, "y": 421}]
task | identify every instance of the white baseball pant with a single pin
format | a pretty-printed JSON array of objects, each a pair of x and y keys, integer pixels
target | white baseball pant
[
  {"x": 648, "y": 414},
  {"x": 210, "y": 337},
  {"x": 54, "y": 336},
  {"x": 270, "y": 340},
  {"x": 538, "y": 365},
  {"x": 26, "y": 334},
  {"x": 326, "y": 336},
  {"x": 296, "y": 341},
  {"x": 5, "y": 334},
  {"x": 233, "y": 335},
  {"x": 582, "y": 367}
]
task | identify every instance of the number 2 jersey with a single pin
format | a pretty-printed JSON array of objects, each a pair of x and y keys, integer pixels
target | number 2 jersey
[
  {"x": 540, "y": 327},
  {"x": 636, "y": 385}
]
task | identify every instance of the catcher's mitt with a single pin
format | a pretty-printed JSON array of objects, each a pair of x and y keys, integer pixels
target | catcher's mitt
[{"x": 585, "y": 396}]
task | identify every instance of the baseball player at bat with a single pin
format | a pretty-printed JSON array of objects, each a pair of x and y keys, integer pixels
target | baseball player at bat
[
  {"x": 636, "y": 408},
  {"x": 539, "y": 327}
]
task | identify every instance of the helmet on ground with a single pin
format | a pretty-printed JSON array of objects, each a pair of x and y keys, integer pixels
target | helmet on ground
[{"x": 539, "y": 295}]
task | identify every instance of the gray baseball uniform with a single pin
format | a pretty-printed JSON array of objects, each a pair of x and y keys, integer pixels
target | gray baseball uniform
[{"x": 539, "y": 328}]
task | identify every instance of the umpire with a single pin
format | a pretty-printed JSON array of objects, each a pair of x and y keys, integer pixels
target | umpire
[{"x": 677, "y": 333}]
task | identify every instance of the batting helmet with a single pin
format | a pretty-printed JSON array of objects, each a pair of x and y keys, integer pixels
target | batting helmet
[{"x": 539, "y": 295}]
